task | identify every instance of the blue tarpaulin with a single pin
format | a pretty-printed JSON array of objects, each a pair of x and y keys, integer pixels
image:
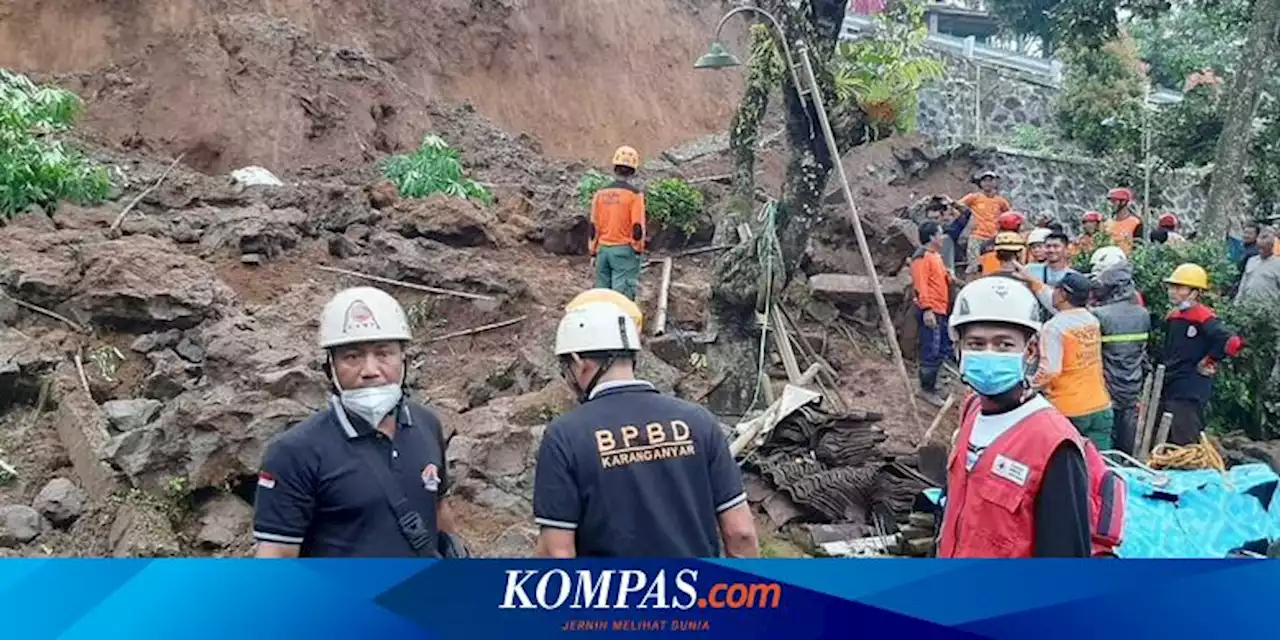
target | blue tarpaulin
[{"x": 1199, "y": 514}]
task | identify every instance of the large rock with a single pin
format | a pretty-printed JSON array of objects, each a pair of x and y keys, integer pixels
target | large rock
[
  {"x": 492, "y": 458},
  {"x": 452, "y": 221},
  {"x": 224, "y": 521},
  {"x": 24, "y": 363},
  {"x": 254, "y": 230},
  {"x": 61, "y": 501},
  {"x": 128, "y": 415},
  {"x": 82, "y": 429},
  {"x": 432, "y": 263},
  {"x": 38, "y": 266},
  {"x": 170, "y": 375},
  {"x": 19, "y": 524},
  {"x": 141, "y": 283},
  {"x": 849, "y": 289},
  {"x": 249, "y": 352}
]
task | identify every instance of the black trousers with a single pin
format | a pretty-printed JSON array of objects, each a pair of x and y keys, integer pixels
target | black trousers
[
  {"x": 1124, "y": 431},
  {"x": 1188, "y": 421}
]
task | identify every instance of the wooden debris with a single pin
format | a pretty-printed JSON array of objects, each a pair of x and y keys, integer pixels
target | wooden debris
[
  {"x": 408, "y": 285},
  {"x": 480, "y": 329},
  {"x": 937, "y": 420},
  {"x": 1166, "y": 421},
  {"x": 692, "y": 252},
  {"x": 146, "y": 192},
  {"x": 38, "y": 309},
  {"x": 251, "y": 258},
  {"x": 84, "y": 379},
  {"x": 7, "y": 472},
  {"x": 782, "y": 340},
  {"x": 793, "y": 397},
  {"x": 1151, "y": 411},
  {"x": 660, "y": 319}
]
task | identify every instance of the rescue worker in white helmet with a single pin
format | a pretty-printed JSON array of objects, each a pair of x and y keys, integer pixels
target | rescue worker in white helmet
[
  {"x": 1017, "y": 481},
  {"x": 366, "y": 476},
  {"x": 632, "y": 472}
]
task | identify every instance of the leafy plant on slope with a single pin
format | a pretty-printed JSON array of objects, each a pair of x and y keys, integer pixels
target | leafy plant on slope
[{"x": 434, "y": 168}]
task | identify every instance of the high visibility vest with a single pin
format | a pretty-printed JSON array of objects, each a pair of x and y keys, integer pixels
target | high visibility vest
[{"x": 990, "y": 510}]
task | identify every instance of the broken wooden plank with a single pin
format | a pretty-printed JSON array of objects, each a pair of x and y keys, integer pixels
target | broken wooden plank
[
  {"x": 660, "y": 319},
  {"x": 793, "y": 397},
  {"x": 782, "y": 340},
  {"x": 692, "y": 252}
]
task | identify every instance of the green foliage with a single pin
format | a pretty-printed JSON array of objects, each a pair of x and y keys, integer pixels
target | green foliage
[
  {"x": 1100, "y": 107},
  {"x": 1191, "y": 38},
  {"x": 1264, "y": 174},
  {"x": 1027, "y": 18},
  {"x": 434, "y": 168},
  {"x": 768, "y": 64},
  {"x": 591, "y": 182},
  {"x": 1030, "y": 138},
  {"x": 35, "y": 167},
  {"x": 885, "y": 72},
  {"x": 675, "y": 203},
  {"x": 1089, "y": 24},
  {"x": 1245, "y": 396},
  {"x": 1186, "y": 134},
  {"x": 1081, "y": 262}
]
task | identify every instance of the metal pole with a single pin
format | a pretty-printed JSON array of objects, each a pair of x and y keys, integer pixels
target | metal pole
[
  {"x": 1146, "y": 159},
  {"x": 782, "y": 39},
  {"x": 890, "y": 332}
]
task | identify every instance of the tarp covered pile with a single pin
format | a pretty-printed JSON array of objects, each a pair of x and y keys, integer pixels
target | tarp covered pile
[{"x": 1199, "y": 514}]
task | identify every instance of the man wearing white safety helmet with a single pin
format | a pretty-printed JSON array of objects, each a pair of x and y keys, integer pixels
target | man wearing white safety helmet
[
  {"x": 1017, "y": 484},
  {"x": 632, "y": 472},
  {"x": 365, "y": 477}
]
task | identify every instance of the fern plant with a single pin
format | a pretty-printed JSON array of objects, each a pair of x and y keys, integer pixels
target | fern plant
[
  {"x": 35, "y": 167},
  {"x": 434, "y": 168},
  {"x": 885, "y": 72}
]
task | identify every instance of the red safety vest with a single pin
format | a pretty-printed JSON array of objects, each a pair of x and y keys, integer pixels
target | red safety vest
[{"x": 996, "y": 500}]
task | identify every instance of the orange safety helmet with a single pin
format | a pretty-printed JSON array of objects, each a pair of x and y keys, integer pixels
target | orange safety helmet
[
  {"x": 626, "y": 157},
  {"x": 622, "y": 302},
  {"x": 1168, "y": 221},
  {"x": 1121, "y": 194},
  {"x": 1010, "y": 221},
  {"x": 1092, "y": 216}
]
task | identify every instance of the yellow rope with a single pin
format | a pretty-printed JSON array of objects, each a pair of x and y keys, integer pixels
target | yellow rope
[{"x": 1204, "y": 455}]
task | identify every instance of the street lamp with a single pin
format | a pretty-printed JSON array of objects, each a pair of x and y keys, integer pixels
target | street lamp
[{"x": 718, "y": 57}]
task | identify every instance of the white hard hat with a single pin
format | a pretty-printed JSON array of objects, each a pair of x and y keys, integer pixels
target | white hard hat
[
  {"x": 362, "y": 314},
  {"x": 596, "y": 326},
  {"x": 1107, "y": 257},
  {"x": 995, "y": 299},
  {"x": 1038, "y": 236}
]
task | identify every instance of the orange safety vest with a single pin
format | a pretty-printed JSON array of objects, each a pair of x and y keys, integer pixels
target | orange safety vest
[
  {"x": 1122, "y": 232},
  {"x": 995, "y": 502}
]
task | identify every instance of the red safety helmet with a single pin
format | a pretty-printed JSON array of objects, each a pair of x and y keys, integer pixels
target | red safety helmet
[
  {"x": 1010, "y": 221},
  {"x": 1092, "y": 216},
  {"x": 1168, "y": 221},
  {"x": 1123, "y": 194}
]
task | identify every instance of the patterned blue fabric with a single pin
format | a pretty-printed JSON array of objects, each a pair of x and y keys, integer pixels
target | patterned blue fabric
[{"x": 1199, "y": 514}]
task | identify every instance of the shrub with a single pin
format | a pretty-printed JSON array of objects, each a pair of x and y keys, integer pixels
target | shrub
[
  {"x": 591, "y": 182},
  {"x": 675, "y": 203},
  {"x": 434, "y": 168},
  {"x": 35, "y": 167},
  {"x": 1100, "y": 107}
]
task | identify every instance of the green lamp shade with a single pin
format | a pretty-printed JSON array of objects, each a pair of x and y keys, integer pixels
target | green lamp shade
[{"x": 717, "y": 57}]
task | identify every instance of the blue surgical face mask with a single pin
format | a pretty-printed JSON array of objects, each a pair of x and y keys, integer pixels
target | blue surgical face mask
[
  {"x": 1185, "y": 304},
  {"x": 992, "y": 373}
]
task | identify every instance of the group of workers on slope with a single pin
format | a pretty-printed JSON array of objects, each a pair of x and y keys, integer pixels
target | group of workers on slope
[
  {"x": 1056, "y": 361},
  {"x": 629, "y": 472}
]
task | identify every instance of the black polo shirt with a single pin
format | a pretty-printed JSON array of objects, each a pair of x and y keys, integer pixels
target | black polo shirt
[
  {"x": 314, "y": 490},
  {"x": 635, "y": 473}
]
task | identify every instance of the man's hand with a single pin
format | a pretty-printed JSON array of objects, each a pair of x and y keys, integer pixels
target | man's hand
[
  {"x": 1207, "y": 368},
  {"x": 930, "y": 319},
  {"x": 593, "y": 262},
  {"x": 1019, "y": 271}
]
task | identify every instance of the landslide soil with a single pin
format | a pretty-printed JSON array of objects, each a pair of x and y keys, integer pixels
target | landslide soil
[{"x": 291, "y": 84}]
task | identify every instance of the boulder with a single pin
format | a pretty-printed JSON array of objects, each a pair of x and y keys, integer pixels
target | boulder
[
  {"x": 189, "y": 350},
  {"x": 141, "y": 283},
  {"x": 243, "y": 349},
  {"x": 224, "y": 521},
  {"x": 859, "y": 290},
  {"x": 19, "y": 524},
  {"x": 254, "y": 230},
  {"x": 158, "y": 340},
  {"x": 434, "y": 264},
  {"x": 82, "y": 429},
  {"x": 23, "y": 364},
  {"x": 38, "y": 266},
  {"x": 452, "y": 221},
  {"x": 170, "y": 376},
  {"x": 383, "y": 194},
  {"x": 61, "y": 501},
  {"x": 129, "y": 415}
]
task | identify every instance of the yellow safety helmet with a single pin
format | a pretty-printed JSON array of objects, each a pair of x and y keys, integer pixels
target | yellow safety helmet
[
  {"x": 1009, "y": 241},
  {"x": 626, "y": 157},
  {"x": 610, "y": 296},
  {"x": 1189, "y": 275}
]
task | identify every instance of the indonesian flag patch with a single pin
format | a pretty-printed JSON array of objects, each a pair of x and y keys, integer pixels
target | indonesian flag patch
[{"x": 266, "y": 480}]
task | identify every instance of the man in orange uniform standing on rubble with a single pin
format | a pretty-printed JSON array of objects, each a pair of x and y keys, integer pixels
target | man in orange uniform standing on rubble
[
  {"x": 1089, "y": 225},
  {"x": 1017, "y": 482},
  {"x": 1125, "y": 225},
  {"x": 618, "y": 227},
  {"x": 985, "y": 206}
]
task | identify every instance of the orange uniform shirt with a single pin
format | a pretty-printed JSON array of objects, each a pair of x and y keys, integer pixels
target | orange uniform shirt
[
  {"x": 932, "y": 282},
  {"x": 1071, "y": 364},
  {"x": 1123, "y": 232},
  {"x": 617, "y": 217},
  {"x": 985, "y": 211}
]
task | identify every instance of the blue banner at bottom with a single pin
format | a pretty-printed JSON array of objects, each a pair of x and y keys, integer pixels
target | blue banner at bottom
[{"x": 530, "y": 599}]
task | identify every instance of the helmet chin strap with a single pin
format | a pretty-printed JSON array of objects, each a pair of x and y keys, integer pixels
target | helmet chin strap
[{"x": 584, "y": 394}]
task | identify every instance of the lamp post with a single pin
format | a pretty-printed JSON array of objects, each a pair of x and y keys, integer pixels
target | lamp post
[{"x": 718, "y": 57}]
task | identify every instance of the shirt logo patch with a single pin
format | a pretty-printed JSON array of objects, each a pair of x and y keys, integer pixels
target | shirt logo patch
[
  {"x": 1011, "y": 470},
  {"x": 266, "y": 480},
  {"x": 431, "y": 478},
  {"x": 1191, "y": 331},
  {"x": 359, "y": 317}
]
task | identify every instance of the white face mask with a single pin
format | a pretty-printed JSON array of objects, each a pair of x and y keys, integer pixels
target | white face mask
[{"x": 373, "y": 403}]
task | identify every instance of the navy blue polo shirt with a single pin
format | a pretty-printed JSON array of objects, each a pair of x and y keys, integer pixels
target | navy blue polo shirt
[
  {"x": 314, "y": 490},
  {"x": 638, "y": 474}
]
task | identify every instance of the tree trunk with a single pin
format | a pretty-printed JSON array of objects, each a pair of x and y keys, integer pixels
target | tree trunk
[
  {"x": 744, "y": 137},
  {"x": 1224, "y": 210},
  {"x": 740, "y": 276}
]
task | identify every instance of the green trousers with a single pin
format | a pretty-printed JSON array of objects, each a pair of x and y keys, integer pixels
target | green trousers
[
  {"x": 1096, "y": 426},
  {"x": 618, "y": 268}
]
